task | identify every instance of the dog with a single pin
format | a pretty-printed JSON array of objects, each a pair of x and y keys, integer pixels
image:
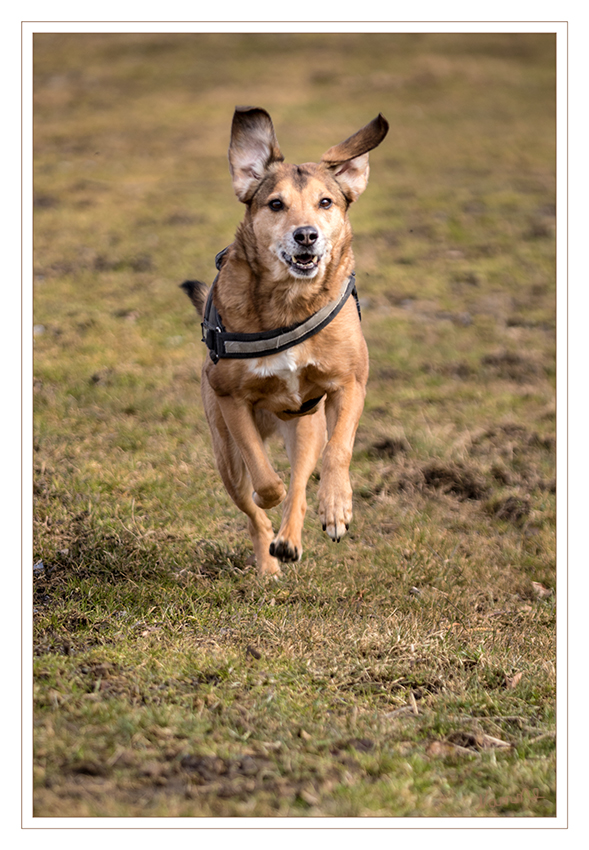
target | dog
[{"x": 286, "y": 348}]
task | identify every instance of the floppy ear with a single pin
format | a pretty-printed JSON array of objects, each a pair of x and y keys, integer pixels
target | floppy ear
[
  {"x": 252, "y": 149},
  {"x": 348, "y": 161}
]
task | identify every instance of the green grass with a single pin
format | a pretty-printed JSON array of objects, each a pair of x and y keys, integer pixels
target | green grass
[{"x": 380, "y": 676}]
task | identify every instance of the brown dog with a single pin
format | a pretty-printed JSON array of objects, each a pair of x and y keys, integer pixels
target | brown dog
[{"x": 287, "y": 351}]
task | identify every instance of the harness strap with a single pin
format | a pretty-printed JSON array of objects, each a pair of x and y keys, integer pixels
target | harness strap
[
  {"x": 224, "y": 344},
  {"x": 306, "y": 406}
]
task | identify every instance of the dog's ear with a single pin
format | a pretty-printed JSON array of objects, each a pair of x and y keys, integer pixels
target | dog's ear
[
  {"x": 348, "y": 161},
  {"x": 252, "y": 149}
]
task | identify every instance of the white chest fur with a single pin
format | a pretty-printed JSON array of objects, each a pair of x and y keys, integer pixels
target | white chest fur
[{"x": 286, "y": 365}]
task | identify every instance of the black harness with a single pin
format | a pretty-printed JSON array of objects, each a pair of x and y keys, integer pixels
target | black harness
[{"x": 224, "y": 344}]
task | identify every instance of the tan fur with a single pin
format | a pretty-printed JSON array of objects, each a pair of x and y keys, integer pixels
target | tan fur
[{"x": 261, "y": 287}]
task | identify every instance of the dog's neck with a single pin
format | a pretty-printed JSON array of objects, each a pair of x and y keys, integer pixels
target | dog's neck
[{"x": 251, "y": 297}]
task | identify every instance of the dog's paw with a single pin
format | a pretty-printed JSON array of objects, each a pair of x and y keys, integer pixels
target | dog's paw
[
  {"x": 285, "y": 551},
  {"x": 269, "y": 568},
  {"x": 335, "y": 513},
  {"x": 271, "y": 575}
]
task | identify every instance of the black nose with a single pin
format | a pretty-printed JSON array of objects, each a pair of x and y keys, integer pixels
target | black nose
[{"x": 305, "y": 235}]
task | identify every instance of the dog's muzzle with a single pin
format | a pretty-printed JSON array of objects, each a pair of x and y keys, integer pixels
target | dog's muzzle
[
  {"x": 304, "y": 251},
  {"x": 304, "y": 264}
]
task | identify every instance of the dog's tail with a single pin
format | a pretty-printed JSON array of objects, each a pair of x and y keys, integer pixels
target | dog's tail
[{"x": 197, "y": 292}]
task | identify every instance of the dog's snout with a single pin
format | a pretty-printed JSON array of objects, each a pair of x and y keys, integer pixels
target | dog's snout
[{"x": 305, "y": 235}]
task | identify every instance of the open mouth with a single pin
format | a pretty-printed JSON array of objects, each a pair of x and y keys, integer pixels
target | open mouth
[{"x": 303, "y": 263}]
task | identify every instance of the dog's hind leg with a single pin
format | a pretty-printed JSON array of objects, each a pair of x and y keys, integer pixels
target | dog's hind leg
[
  {"x": 238, "y": 484},
  {"x": 304, "y": 439}
]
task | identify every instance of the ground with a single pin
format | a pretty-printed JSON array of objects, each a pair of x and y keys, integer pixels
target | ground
[{"x": 410, "y": 669}]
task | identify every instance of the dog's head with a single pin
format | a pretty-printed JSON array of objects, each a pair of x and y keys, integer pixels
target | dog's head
[{"x": 298, "y": 212}]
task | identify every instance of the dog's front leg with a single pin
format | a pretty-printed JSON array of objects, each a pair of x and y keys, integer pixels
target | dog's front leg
[
  {"x": 343, "y": 409},
  {"x": 239, "y": 418},
  {"x": 304, "y": 439}
]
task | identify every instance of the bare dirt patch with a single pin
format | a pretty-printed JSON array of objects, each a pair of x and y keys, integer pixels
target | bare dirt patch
[
  {"x": 512, "y": 366},
  {"x": 438, "y": 477}
]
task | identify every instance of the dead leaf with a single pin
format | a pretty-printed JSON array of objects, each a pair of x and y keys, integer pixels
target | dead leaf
[
  {"x": 513, "y": 682},
  {"x": 542, "y": 737},
  {"x": 442, "y": 749},
  {"x": 268, "y": 746},
  {"x": 541, "y": 591},
  {"x": 489, "y": 741},
  {"x": 309, "y": 797},
  {"x": 439, "y": 748},
  {"x": 164, "y": 732},
  {"x": 413, "y": 703}
]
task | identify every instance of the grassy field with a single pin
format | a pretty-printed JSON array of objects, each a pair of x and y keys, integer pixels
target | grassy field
[{"x": 410, "y": 670}]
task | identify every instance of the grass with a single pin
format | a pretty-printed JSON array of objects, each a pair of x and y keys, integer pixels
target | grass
[{"x": 409, "y": 671}]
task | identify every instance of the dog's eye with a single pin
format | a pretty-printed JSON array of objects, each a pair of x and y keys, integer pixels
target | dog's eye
[
  {"x": 276, "y": 205},
  {"x": 325, "y": 203}
]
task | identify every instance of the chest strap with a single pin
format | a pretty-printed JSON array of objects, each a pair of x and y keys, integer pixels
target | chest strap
[
  {"x": 306, "y": 406},
  {"x": 224, "y": 344}
]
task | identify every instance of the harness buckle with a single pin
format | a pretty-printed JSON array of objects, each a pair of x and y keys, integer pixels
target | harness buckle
[{"x": 210, "y": 339}]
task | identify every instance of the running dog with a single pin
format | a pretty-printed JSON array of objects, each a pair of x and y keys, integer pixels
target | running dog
[{"x": 286, "y": 350}]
